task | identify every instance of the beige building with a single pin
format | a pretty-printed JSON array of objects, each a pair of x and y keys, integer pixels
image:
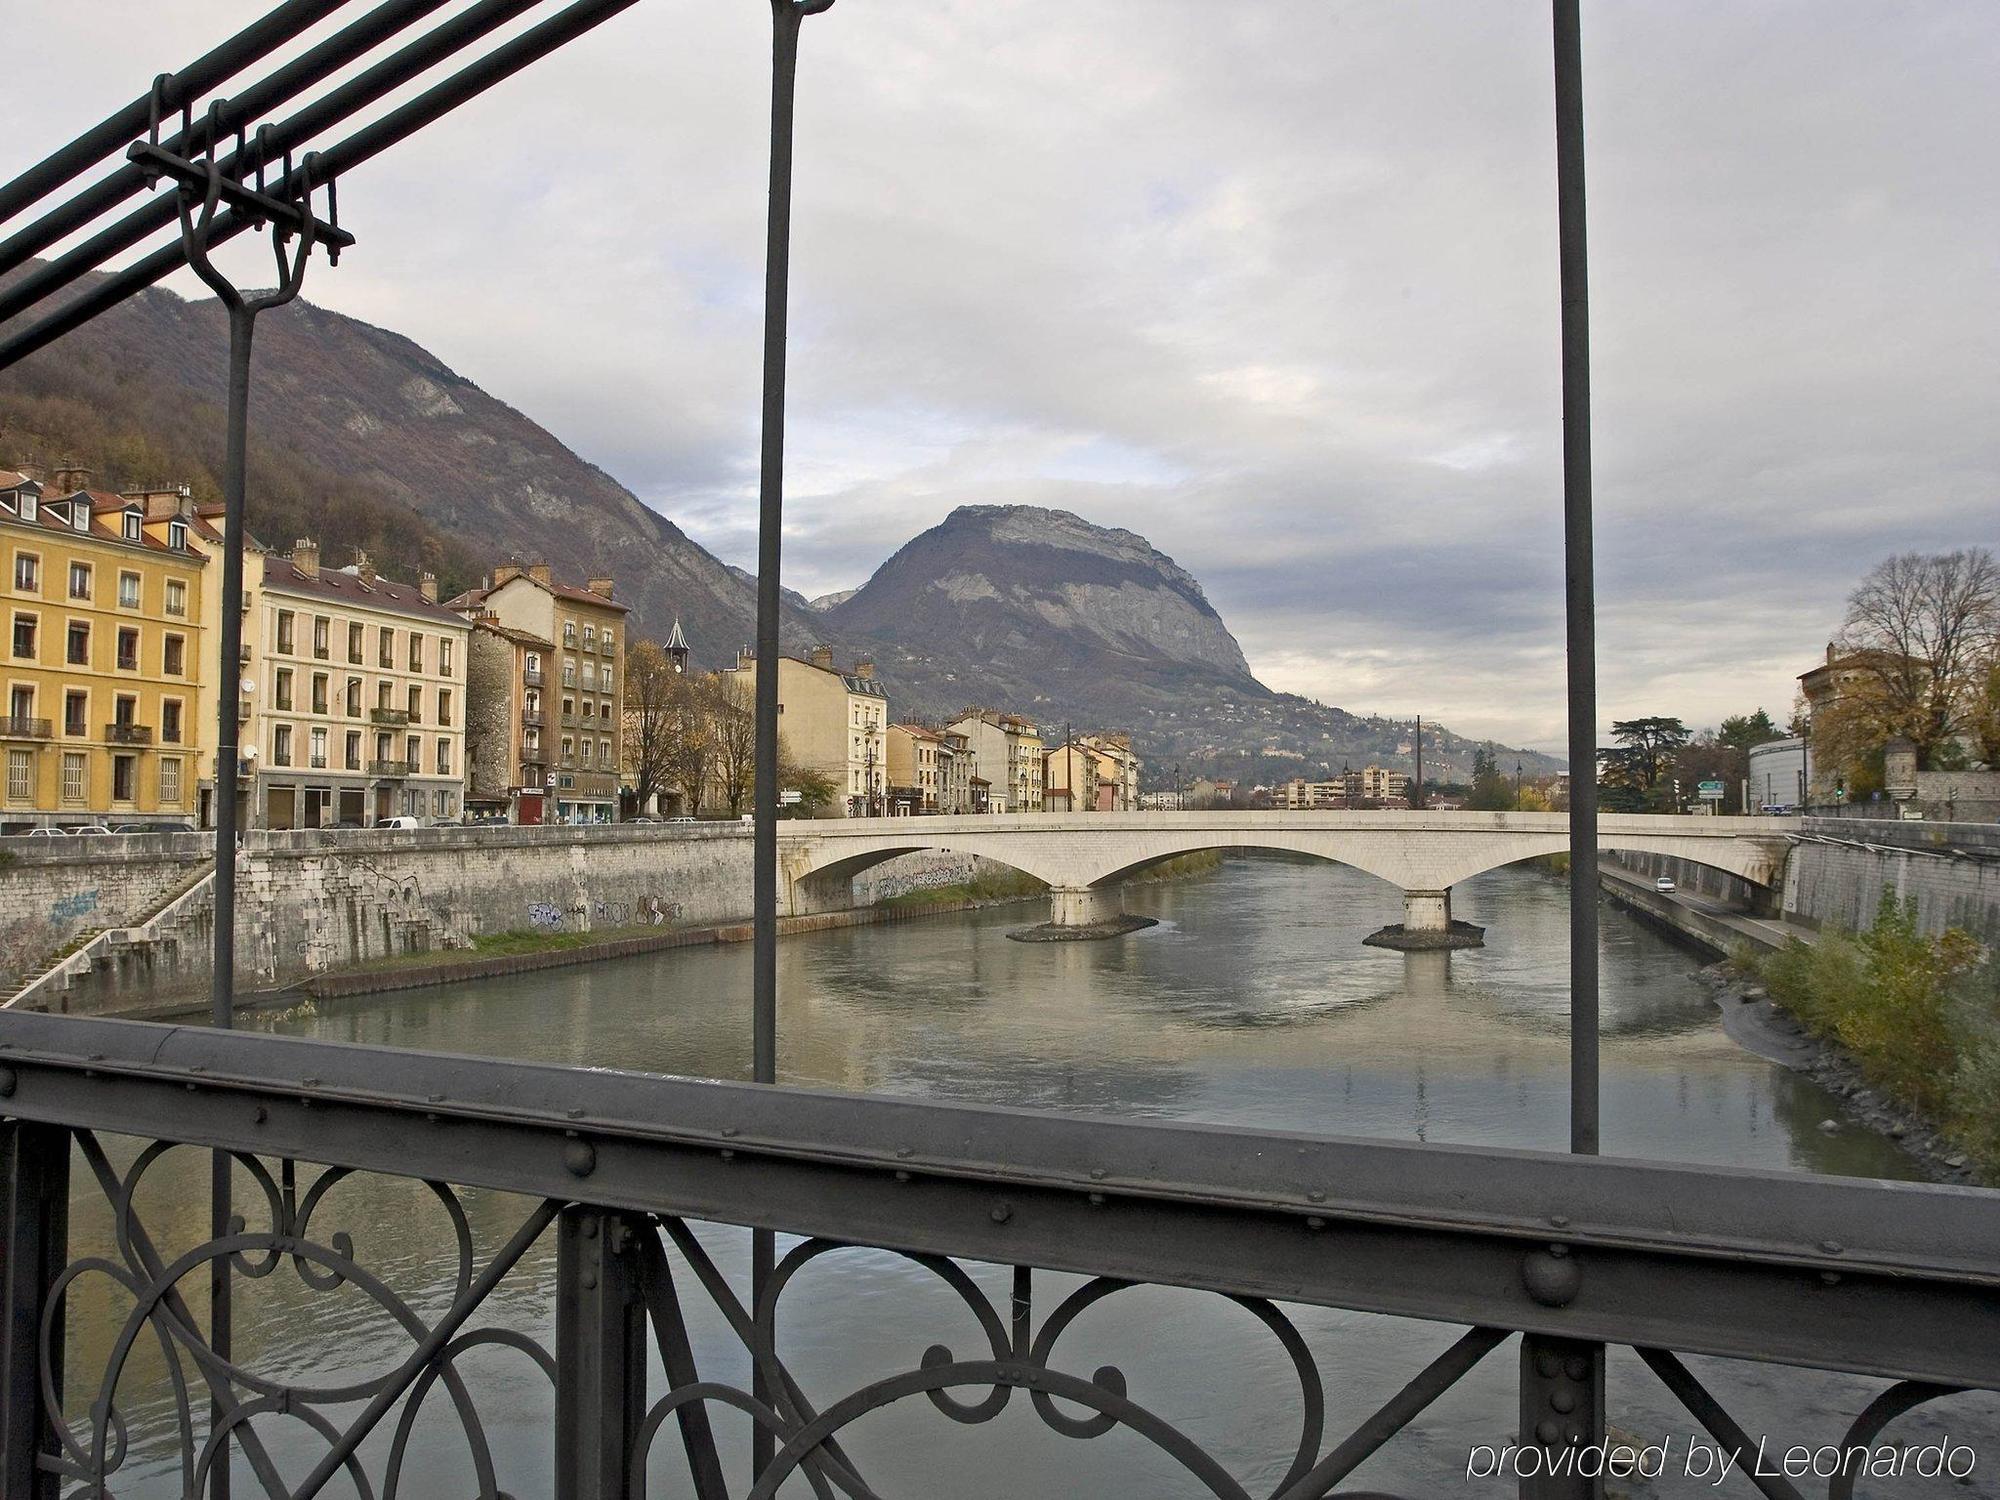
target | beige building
[
  {"x": 1300, "y": 794},
  {"x": 831, "y": 722},
  {"x": 355, "y": 709},
  {"x": 105, "y": 656},
  {"x": 957, "y": 766},
  {"x": 1070, "y": 779},
  {"x": 509, "y": 739},
  {"x": 584, "y": 680},
  {"x": 916, "y": 762},
  {"x": 1009, "y": 756},
  {"x": 1118, "y": 768}
]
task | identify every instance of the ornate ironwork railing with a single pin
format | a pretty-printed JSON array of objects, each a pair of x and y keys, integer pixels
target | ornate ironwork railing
[{"x": 1569, "y": 1253}]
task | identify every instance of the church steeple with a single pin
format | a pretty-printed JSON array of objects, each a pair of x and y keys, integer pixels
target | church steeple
[{"x": 677, "y": 648}]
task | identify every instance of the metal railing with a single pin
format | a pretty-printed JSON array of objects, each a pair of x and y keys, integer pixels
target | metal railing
[
  {"x": 1564, "y": 1252},
  {"x": 128, "y": 734},
  {"x": 396, "y": 716},
  {"x": 23, "y": 727},
  {"x": 391, "y": 768}
]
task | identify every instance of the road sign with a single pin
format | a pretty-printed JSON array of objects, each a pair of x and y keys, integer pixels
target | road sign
[
  {"x": 790, "y": 797},
  {"x": 1711, "y": 791}
]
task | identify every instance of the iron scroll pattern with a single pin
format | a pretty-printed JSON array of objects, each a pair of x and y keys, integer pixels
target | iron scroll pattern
[{"x": 644, "y": 1264}]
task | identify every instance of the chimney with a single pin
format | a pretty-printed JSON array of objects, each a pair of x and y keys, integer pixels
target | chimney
[
  {"x": 745, "y": 656},
  {"x": 600, "y": 586},
  {"x": 305, "y": 557},
  {"x": 506, "y": 573},
  {"x": 35, "y": 470},
  {"x": 822, "y": 657},
  {"x": 864, "y": 668},
  {"x": 427, "y": 585},
  {"x": 363, "y": 568},
  {"x": 1829, "y": 653},
  {"x": 71, "y": 477},
  {"x": 539, "y": 572}
]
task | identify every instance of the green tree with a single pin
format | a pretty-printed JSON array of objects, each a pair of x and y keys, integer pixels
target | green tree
[
  {"x": 1492, "y": 790},
  {"x": 1741, "y": 731}
]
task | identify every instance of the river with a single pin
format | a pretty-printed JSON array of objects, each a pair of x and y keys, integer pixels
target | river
[{"x": 1252, "y": 1002}]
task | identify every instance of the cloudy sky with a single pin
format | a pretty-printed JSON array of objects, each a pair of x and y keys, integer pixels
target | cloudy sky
[{"x": 1273, "y": 284}]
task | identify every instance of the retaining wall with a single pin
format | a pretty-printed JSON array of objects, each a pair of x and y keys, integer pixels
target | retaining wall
[{"x": 1950, "y": 870}]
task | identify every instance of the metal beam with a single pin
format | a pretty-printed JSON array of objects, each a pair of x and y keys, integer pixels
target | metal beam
[{"x": 1895, "y": 1280}]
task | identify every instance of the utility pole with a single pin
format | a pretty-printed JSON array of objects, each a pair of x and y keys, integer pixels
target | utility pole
[{"x": 1417, "y": 787}]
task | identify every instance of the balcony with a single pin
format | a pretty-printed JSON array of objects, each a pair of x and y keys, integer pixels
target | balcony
[
  {"x": 128, "y": 734},
  {"x": 532, "y": 676},
  {"x": 396, "y": 716},
  {"x": 531, "y": 718},
  {"x": 390, "y": 768},
  {"x": 571, "y": 721},
  {"x": 128, "y": 661},
  {"x": 20, "y": 727},
  {"x": 317, "y": 763}
]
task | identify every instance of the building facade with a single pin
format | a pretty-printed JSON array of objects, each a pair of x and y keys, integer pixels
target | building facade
[
  {"x": 357, "y": 696},
  {"x": 509, "y": 750},
  {"x": 835, "y": 723},
  {"x": 1118, "y": 767},
  {"x": 585, "y": 681},
  {"x": 1070, "y": 779},
  {"x": 105, "y": 654},
  {"x": 1009, "y": 755},
  {"x": 1777, "y": 774},
  {"x": 957, "y": 766},
  {"x": 915, "y": 764}
]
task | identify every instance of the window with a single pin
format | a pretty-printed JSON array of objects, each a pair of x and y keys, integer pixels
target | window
[
  {"x": 282, "y": 698},
  {"x": 281, "y": 745},
  {"x": 79, "y": 516},
  {"x": 318, "y": 748},
  {"x": 177, "y": 535},
  {"x": 382, "y": 747},
  {"x": 415, "y": 704},
  {"x": 604, "y": 679},
  {"x": 21, "y": 775},
  {"x": 568, "y": 750},
  {"x": 76, "y": 711},
  {"x": 322, "y": 629},
  {"x": 607, "y": 642},
  {"x": 444, "y": 656},
  {"x": 444, "y": 757},
  {"x": 534, "y": 666},
  {"x": 79, "y": 580},
  {"x": 353, "y": 749},
  {"x": 569, "y": 634},
  {"x": 354, "y": 697},
  {"x": 131, "y": 526},
  {"x": 413, "y": 751},
  {"x": 27, "y": 572},
  {"x": 287, "y": 623},
  {"x": 382, "y": 691},
  {"x": 354, "y": 641},
  {"x": 177, "y": 597},
  {"x": 124, "y": 778},
  {"x": 586, "y": 752},
  {"x": 128, "y": 649},
  {"x": 604, "y": 752},
  {"x": 73, "y": 776},
  {"x": 444, "y": 706},
  {"x": 21, "y": 703},
  {"x": 441, "y": 803},
  {"x": 173, "y": 657},
  {"x": 590, "y": 676},
  {"x": 78, "y": 653},
  {"x": 24, "y": 637},
  {"x": 569, "y": 674},
  {"x": 385, "y": 649},
  {"x": 128, "y": 590},
  {"x": 590, "y": 708},
  {"x": 589, "y": 637},
  {"x": 319, "y": 692},
  {"x": 416, "y": 652},
  {"x": 170, "y": 781},
  {"x": 170, "y": 721}
]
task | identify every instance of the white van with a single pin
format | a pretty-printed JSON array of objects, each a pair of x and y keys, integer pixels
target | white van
[{"x": 403, "y": 822}]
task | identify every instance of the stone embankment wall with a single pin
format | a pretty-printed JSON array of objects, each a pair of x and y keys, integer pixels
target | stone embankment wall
[
  {"x": 1950, "y": 870},
  {"x": 313, "y": 901},
  {"x": 1704, "y": 880}
]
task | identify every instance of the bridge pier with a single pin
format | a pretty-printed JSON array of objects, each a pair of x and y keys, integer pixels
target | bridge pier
[
  {"x": 1427, "y": 923},
  {"x": 1081, "y": 913}
]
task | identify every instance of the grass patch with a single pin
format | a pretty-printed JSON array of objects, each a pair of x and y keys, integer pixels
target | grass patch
[
  {"x": 1919, "y": 1013},
  {"x": 1003, "y": 885}
]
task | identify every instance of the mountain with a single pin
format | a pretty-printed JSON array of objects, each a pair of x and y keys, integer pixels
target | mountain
[
  {"x": 365, "y": 438},
  {"x": 1041, "y": 612}
]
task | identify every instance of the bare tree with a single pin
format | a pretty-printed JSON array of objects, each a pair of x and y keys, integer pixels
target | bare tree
[
  {"x": 691, "y": 738},
  {"x": 651, "y": 687},
  {"x": 1924, "y": 627},
  {"x": 733, "y": 729}
]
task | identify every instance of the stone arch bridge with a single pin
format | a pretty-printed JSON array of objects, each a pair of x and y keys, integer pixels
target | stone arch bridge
[{"x": 1085, "y": 856}]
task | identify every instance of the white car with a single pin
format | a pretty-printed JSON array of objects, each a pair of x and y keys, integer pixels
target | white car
[
  {"x": 1664, "y": 884},
  {"x": 403, "y": 822}
]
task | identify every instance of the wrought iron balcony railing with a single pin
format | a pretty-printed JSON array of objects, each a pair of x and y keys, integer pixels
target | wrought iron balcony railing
[
  {"x": 532, "y": 676},
  {"x": 1567, "y": 1253},
  {"x": 396, "y": 716},
  {"x": 128, "y": 734},
  {"x": 391, "y": 768},
  {"x": 23, "y": 727}
]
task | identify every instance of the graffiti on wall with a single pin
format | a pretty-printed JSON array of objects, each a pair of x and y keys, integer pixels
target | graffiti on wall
[
  {"x": 650, "y": 911},
  {"x": 69, "y": 908}
]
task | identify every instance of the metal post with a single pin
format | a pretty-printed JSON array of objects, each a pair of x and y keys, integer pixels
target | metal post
[
  {"x": 600, "y": 1354},
  {"x": 786, "y": 18},
  {"x": 1580, "y": 1366},
  {"x": 1562, "y": 1414},
  {"x": 34, "y": 1247}
]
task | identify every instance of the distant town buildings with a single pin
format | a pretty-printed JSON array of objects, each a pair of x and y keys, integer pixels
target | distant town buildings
[
  {"x": 1009, "y": 753},
  {"x": 834, "y": 723}
]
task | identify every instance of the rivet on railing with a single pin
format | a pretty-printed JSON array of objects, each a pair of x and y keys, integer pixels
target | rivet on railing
[
  {"x": 580, "y": 1157},
  {"x": 1315, "y": 1222},
  {"x": 1551, "y": 1277},
  {"x": 9, "y": 1081},
  {"x": 1316, "y": 1196},
  {"x": 1002, "y": 1212}
]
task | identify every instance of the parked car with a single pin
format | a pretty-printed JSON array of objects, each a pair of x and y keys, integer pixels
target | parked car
[
  {"x": 346, "y": 823},
  {"x": 648, "y": 818},
  {"x": 1664, "y": 884},
  {"x": 404, "y": 821},
  {"x": 48, "y": 833},
  {"x": 87, "y": 829},
  {"x": 683, "y": 820},
  {"x": 149, "y": 828}
]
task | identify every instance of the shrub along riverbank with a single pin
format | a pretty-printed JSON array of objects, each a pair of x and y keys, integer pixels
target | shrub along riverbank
[
  {"x": 1011, "y": 885},
  {"x": 1918, "y": 1013}
]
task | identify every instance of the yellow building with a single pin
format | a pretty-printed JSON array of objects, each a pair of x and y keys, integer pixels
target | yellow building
[
  {"x": 105, "y": 653},
  {"x": 835, "y": 723}
]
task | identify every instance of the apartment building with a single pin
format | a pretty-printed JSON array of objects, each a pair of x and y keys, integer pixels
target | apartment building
[
  {"x": 105, "y": 658},
  {"x": 585, "y": 681},
  {"x": 958, "y": 768},
  {"x": 1070, "y": 779},
  {"x": 1118, "y": 767},
  {"x": 832, "y": 722},
  {"x": 354, "y": 709},
  {"x": 510, "y": 736},
  {"x": 1009, "y": 753},
  {"x": 917, "y": 761}
]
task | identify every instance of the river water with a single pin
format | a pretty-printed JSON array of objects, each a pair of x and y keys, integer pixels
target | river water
[{"x": 1252, "y": 1002}]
